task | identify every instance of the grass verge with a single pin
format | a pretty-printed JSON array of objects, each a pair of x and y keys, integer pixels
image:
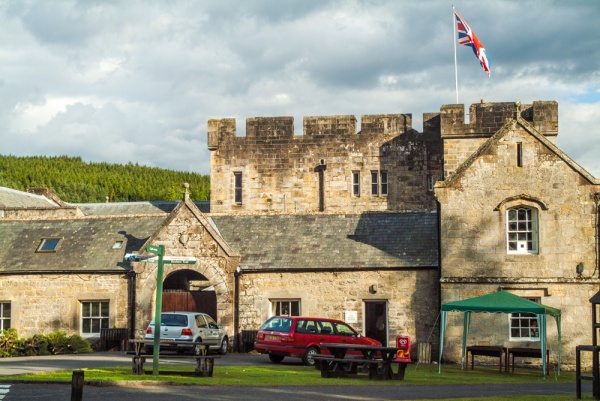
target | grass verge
[{"x": 298, "y": 375}]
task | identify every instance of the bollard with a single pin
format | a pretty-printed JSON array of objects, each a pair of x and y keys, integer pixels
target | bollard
[{"x": 77, "y": 385}]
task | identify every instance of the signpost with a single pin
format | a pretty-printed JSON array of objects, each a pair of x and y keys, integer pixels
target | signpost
[{"x": 161, "y": 259}]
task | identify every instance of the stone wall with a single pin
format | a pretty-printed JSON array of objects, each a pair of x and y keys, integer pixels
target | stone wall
[
  {"x": 282, "y": 172},
  {"x": 461, "y": 139},
  {"x": 411, "y": 295},
  {"x": 43, "y": 303}
]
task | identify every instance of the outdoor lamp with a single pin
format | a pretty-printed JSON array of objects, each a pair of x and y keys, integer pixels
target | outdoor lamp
[{"x": 579, "y": 269}]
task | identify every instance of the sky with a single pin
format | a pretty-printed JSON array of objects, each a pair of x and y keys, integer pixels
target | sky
[{"x": 122, "y": 81}]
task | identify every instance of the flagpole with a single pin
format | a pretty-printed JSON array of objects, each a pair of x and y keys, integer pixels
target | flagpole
[{"x": 454, "y": 33}]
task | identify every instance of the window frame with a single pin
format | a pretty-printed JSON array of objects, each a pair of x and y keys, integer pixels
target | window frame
[
  {"x": 3, "y": 315},
  {"x": 356, "y": 184},
  {"x": 294, "y": 307},
  {"x": 522, "y": 232},
  {"x": 54, "y": 243},
  {"x": 237, "y": 187},
  {"x": 102, "y": 320},
  {"x": 383, "y": 182},
  {"x": 527, "y": 323}
]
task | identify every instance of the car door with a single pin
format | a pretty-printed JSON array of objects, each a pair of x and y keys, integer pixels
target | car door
[{"x": 211, "y": 331}]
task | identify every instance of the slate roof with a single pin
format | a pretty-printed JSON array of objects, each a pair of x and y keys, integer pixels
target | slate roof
[
  {"x": 13, "y": 199},
  {"x": 133, "y": 208},
  {"x": 340, "y": 241},
  {"x": 86, "y": 244}
]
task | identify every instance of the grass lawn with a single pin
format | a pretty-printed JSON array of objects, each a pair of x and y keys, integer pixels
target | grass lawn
[{"x": 278, "y": 375}]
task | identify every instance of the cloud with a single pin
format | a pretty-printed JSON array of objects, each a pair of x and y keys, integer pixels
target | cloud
[{"x": 137, "y": 81}]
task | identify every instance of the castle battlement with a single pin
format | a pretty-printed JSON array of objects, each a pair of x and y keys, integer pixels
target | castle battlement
[
  {"x": 488, "y": 118},
  {"x": 325, "y": 128}
]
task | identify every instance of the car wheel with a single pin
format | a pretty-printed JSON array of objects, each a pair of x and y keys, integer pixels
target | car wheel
[
  {"x": 307, "y": 359},
  {"x": 276, "y": 358},
  {"x": 224, "y": 345}
]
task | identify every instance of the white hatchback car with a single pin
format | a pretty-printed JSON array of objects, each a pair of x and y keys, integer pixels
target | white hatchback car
[{"x": 194, "y": 327}]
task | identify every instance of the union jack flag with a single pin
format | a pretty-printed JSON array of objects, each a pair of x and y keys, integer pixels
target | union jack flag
[{"x": 467, "y": 37}]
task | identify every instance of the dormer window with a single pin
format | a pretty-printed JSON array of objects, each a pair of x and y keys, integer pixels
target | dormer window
[{"x": 48, "y": 245}]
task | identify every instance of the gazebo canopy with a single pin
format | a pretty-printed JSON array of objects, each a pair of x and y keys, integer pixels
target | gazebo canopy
[{"x": 500, "y": 302}]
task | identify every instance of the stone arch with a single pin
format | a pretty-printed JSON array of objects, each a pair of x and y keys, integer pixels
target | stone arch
[
  {"x": 214, "y": 269},
  {"x": 522, "y": 199}
]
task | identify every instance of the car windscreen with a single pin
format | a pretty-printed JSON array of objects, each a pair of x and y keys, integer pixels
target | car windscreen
[
  {"x": 276, "y": 323},
  {"x": 174, "y": 320}
]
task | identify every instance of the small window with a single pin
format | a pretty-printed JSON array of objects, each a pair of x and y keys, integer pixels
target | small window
[
  {"x": 286, "y": 308},
  {"x": 519, "y": 154},
  {"x": 524, "y": 326},
  {"x": 238, "y": 188},
  {"x": 356, "y": 183},
  {"x": 118, "y": 245},
  {"x": 522, "y": 230},
  {"x": 94, "y": 316},
  {"x": 48, "y": 245},
  {"x": 4, "y": 315},
  {"x": 430, "y": 183},
  {"x": 384, "y": 183},
  {"x": 375, "y": 183}
]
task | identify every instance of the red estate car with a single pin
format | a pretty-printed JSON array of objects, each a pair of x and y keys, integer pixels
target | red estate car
[{"x": 301, "y": 337}]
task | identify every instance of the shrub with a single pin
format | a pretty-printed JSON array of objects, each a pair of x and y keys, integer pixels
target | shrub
[{"x": 53, "y": 343}]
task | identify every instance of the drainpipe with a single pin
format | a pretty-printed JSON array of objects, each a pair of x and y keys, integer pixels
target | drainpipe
[{"x": 236, "y": 306}]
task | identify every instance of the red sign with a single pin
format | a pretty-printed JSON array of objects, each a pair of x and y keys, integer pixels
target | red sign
[{"x": 403, "y": 345}]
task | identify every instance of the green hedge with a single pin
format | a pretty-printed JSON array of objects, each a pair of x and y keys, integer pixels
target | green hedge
[{"x": 53, "y": 343}]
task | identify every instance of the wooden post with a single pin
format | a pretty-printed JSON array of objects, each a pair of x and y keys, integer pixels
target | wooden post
[{"x": 77, "y": 385}]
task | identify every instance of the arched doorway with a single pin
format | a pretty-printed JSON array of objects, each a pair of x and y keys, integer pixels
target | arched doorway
[{"x": 188, "y": 290}]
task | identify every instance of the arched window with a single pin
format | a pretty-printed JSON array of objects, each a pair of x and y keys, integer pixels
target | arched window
[{"x": 522, "y": 230}]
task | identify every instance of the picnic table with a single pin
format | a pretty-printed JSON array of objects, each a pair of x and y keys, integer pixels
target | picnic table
[
  {"x": 204, "y": 362},
  {"x": 487, "y": 350},
  {"x": 377, "y": 360}
]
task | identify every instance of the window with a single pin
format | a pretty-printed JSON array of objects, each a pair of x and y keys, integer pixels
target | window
[
  {"x": 374, "y": 183},
  {"x": 238, "y": 188},
  {"x": 379, "y": 183},
  {"x": 286, "y": 308},
  {"x": 519, "y": 154},
  {"x": 48, "y": 245},
  {"x": 430, "y": 183},
  {"x": 384, "y": 182},
  {"x": 522, "y": 230},
  {"x": 524, "y": 326},
  {"x": 355, "y": 183},
  {"x": 94, "y": 316},
  {"x": 4, "y": 315},
  {"x": 117, "y": 245}
]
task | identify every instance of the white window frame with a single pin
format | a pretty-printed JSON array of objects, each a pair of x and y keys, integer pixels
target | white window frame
[
  {"x": 379, "y": 183},
  {"x": 5, "y": 315},
  {"x": 96, "y": 315},
  {"x": 527, "y": 325},
  {"x": 286, "y": 307},
  {"x": 522, "y": 234}
]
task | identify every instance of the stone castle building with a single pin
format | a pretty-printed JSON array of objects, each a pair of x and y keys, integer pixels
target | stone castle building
[{"x": 336, "y": 222}]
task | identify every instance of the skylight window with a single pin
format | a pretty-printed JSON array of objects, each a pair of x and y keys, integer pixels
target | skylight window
[
  {"x": 48, "y": 245},
  {"x": 118, "y": 245}
]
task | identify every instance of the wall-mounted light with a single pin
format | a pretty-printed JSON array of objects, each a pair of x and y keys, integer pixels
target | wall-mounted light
[
  {"x": 373, "y": 288},
  {"x": 579, "y": 269}
]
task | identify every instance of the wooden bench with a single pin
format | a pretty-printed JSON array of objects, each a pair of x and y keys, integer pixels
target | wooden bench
[
  {"x": 485, "y": 350},
  {"x": 204, "y": 363},
  {"x": 526, "y": 353}
]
